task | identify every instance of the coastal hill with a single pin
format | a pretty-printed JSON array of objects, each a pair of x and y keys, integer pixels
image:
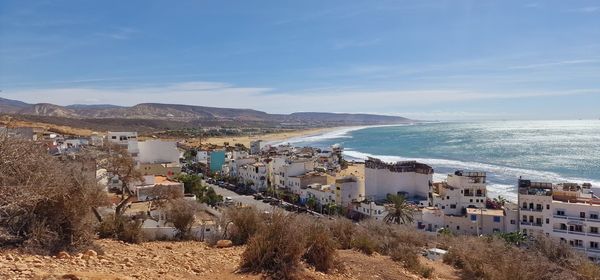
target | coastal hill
[{"x": 157, "y": 116}]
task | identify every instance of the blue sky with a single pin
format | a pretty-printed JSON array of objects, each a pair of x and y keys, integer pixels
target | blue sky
[{"x": 420, "y": 59}]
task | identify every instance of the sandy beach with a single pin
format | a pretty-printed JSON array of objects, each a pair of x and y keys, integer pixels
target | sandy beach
[{"x": 245, "y": 140}]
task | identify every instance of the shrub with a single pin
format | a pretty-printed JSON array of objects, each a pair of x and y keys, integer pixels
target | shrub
[
  {"x": 130, "y": 231},
  {"x": 407, "y": 255},
  {"x": 182, "y": 214},
  {"x": 342, "y": 231},
  {"x": 243, "y": 223},
  {"x": 363, "y": 242},
  {"x": 320, "y": 249},
  {"x": 276, "y": 248},
  {"x": 45, "y": 201}
]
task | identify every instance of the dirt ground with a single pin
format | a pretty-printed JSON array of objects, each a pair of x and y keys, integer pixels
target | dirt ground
[{"x": 184, "y": 260}]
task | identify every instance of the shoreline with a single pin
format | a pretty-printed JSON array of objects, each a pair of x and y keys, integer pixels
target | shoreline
[{"x": 270, "y": 137}]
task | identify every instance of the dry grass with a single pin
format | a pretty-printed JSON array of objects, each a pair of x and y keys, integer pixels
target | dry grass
[
  {"x": 243, "y": 224},
  {"x": 320, "y": 249},
  {"x": 276, "y": 249}
]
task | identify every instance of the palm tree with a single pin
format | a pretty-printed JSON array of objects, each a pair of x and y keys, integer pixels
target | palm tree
[{"x": 401, "y": 212}]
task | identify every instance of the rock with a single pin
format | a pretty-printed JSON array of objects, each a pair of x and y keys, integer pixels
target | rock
[
  {"x": 70, "y": 277},
  {"x": 90, "y": 253},
  {"x": 168, "y": 247},
  {"x": 21, "y": 267},
  {"x": 79, "y": 256},
  {"x": 63, "y": 255},
  {"x": 224, "y": 244},
  {"x": 10, "y": 257}
]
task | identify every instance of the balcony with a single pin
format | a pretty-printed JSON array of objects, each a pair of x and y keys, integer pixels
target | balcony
[
  {"x": 574, "y": 232},
  {"x": 571, "y": 218},
  {"x": 531, "y": 224},
  {"x": 531, "y": 209}
]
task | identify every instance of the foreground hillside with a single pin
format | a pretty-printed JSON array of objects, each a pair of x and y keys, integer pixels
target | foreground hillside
[{"x": 181, "y": 260}]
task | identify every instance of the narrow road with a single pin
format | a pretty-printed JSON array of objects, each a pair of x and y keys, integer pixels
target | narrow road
[{"x": 246, "y": 200}]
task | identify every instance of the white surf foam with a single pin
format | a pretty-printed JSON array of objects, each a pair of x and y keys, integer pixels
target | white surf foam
[{"x": 336, "y": 134}]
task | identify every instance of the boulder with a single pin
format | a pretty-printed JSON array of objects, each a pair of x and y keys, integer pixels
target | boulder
[
  {"x": 63, "y": 255},
  {"x": 224, "y": 244}
]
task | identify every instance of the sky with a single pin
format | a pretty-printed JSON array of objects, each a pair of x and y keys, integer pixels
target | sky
[{"x": 430, "y": 60}]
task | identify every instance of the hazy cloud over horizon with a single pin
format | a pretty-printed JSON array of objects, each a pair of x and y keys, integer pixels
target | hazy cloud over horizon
[{"x": 426, "y": 59}]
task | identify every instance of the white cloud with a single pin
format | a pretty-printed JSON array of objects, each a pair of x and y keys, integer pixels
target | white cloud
[{"x": 270, "y": 100}]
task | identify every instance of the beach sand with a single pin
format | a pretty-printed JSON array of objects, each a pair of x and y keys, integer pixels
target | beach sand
[{"x": 245, "y": 140}]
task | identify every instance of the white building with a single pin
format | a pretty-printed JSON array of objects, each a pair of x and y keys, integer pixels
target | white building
[
  {"x": 158, "y": 151},
  {"x": 461, "y": 190},
  {"x": 255, "y": 173},
  {"x": 157, "y": 187},
  {"x": 410, "y": 178},
  {"x": 349, "y": 190},
  {"x": 256, "y": 147},
  {"x": 376, "y": 211},
  {"x": 567, "y": 211},
  {"x": 323, "y": 194},
  {"x": 127, "y": 140}
]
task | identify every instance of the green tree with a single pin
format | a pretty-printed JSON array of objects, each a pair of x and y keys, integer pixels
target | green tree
[
  {"x": 311, "y": 203},
  {"x": 210, "y": 197},
  {"x": 515, "y": 238},
  {"x": 401, "y": 212},
  {"x": 192, "y": 183}
]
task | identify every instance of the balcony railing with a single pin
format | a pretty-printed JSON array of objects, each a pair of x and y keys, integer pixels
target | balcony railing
[
  {"x": 531, "y": 224},
  {"x": 531, "y": 209},
  {"x": 572, "y": 218},
  {"x": 576, "y": 232}
]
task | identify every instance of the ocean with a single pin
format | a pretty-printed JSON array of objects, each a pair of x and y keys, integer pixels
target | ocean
[{"x": 554, "y": 151}]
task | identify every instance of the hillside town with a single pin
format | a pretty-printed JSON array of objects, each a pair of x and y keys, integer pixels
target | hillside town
[{"x": 323, "y": 183}]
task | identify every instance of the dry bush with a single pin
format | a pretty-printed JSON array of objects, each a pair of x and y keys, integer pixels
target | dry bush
[
  {"x": 320, "y": 249},
  {"x": 243, "y": 224},
  {"x": 108, "y": 227},
  {"x": 46, "y": 202},
  {"x": 342, "y": 231},
  {"x": 364, "y": 242},
  {"x": 276, "y": 249},
  {"x": 130, "y": 230},
  {"x": 122, "y": 228},
  {"x": 181, "y": 213},
  {"x": 492, "y": 258},
  {"x": 407, "y": 255},
  {"x": 384, "y": 239}
]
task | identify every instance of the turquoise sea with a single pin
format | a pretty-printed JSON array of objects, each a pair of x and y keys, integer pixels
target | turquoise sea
[{"x": 555, "y": 151}]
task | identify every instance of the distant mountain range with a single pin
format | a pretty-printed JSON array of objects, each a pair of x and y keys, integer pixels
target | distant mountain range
[{"x": 170, "y": 113}]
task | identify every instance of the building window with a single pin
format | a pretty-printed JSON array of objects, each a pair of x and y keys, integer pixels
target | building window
[
  {"x": 470, "y": 200},
  {"x": 496, "y": 219},
  {"x": 524, "y": 205},
  {"x": 457, "y": 227},
  {"x": 594, "y": 216},
  {"x": 594, "y": 230},
  {"x": 560, "y": 212},
  {"x": 452, "y": 206},
  {"x": 547, "y": 221},
  {"x": 563, "y": 227},
  {"x": 473, "y": 217},
  {"x": 582, "y": 214},
  {"x": 593, "y": 244},
  {"x": 512, "y": 222},
  {"x": 547, "y": 206}
]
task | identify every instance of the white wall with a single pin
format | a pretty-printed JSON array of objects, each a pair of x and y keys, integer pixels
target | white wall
[
  {"x": 157, "y": 151},
  {"x": 380, "y": 182}
]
